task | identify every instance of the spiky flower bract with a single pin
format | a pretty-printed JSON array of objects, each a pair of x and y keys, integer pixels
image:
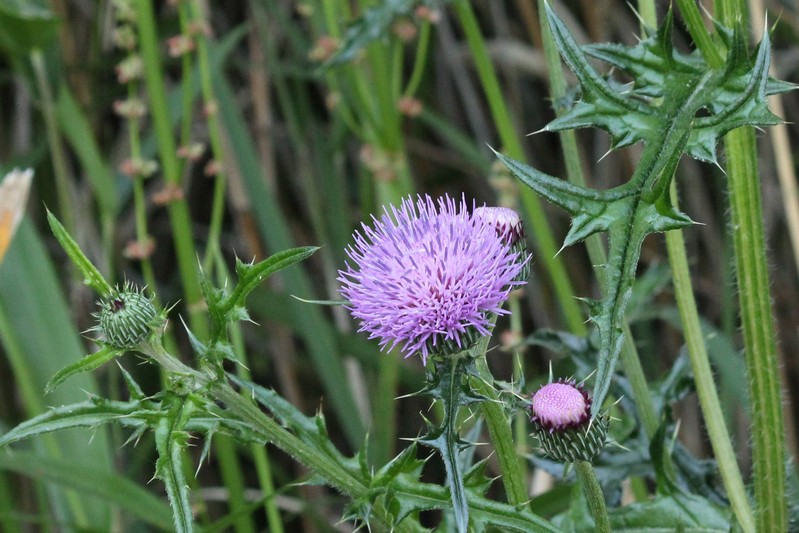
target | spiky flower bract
[
  {"x": 127, "y": 317},
  {"x": 561, "y": 416},
  {"x": 428, "y": 276}
]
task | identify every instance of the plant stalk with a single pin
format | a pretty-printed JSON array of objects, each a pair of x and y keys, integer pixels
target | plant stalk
[
  {"x": 703, "y": 377},
  {"x": 594, "y": 495},
  {"x": 768, "y": 433}
]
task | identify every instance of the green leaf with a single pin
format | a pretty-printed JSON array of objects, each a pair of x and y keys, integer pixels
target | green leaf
[
  {"x": 25, "y": 25},
  {"x": 669, "y": 125},
  {"x": 680, "y": 512},
  {"x": 251, "y": 275},
  {"x": 374, "y": 24},
  {"x": 91, "y": 413},
  {"x": 448, "y": 383},
  {"x": 38, "y": 338},
  {"x": 311, "y": 430},
  {"x": 91, "y": 482},
  {"x": 91, "y": 276},
  {"x": 87, "y": 364},
  {"x": 79, "y": 134}
]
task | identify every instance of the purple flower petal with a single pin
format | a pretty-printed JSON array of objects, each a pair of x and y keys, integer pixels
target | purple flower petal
[{"x": 427, "y": 273}]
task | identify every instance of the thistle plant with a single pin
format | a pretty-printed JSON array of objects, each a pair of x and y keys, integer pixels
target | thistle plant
[{"x": 428, "y": 281}]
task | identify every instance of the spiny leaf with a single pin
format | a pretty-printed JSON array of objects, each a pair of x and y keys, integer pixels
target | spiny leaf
[
  {"x": 91, "y": 413},
  {"x": 91, "y": 275},
  {"x": 601, "y": 106},
  {"x": 670, "y": 125},
  {"x": 421, "y": 496},
  {"x": 226, "y": 308},
  {"x": 86, "y": 364},
  {"x": 679, "y": 512},
  {"x": 310, "y": 430},
  {"x": 449, "y": 384}
]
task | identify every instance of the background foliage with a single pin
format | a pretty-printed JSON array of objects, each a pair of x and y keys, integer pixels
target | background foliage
[{"x": 301, "y": 151}]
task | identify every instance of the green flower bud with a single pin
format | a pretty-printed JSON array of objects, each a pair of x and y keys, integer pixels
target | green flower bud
[{"x": 127, "y": 317}]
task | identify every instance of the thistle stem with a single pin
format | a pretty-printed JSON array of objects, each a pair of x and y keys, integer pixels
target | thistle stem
[
  {"x": 768, "y": 433},
  {"x": 703, "y": 377},
  {"x": 245, "y": 410},
  {"x": 500, "y": 431},
  {"x": 594, "y": 496}
]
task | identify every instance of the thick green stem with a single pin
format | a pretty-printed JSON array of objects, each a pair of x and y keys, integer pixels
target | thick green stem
[
  {"x": 703, "y": 377},
  {"x": 768, "y": 433},
  {"x": 702, "y": 39},
  {"x": 594, "y": 496},
  {"x": 245, "y": 410},
  {"x": 338, "y": 478},
  {"x": 520, "y": 422},
  {"x": 648, "y": 13},
  {"x": 768, "y": 445},
  {"x": 500, "y": 430}
]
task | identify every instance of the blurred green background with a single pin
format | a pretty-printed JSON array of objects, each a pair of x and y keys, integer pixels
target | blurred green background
[{"x": 301, "y": 119}]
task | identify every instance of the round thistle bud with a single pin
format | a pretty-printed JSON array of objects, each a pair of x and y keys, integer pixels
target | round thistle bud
[
  {"x": 127, "y": 317},
  {"x": 510, "y": 229},
  {"x": 561, "y": 416}
]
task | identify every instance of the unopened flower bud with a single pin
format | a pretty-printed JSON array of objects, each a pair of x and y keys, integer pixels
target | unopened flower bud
[
  {"x": 510, "y": 229},
  {"x": 561, "y": 416},
  {"x": 212, "y": 168},
  {"x": 404, "y": 29},
  {"x": 324, "y": 48},
  {"x": 191, "y": 151},
  {"x": 170, "y": 193},
  {"x": 429, "y": 14},
  {"x": 127, "y": 318},
  {"x": 137, "y": 167},
  {"x": 125, "y": 10}
]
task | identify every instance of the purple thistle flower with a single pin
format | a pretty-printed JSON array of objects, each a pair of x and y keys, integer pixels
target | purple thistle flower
[
  {"x": 427, "y": 275},
  {"x": 561, "y": 416}
]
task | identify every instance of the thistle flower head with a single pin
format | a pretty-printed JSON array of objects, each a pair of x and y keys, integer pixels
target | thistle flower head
[
  {"x": 561, "y": 415},
  {"x": 427, "y": 276},
  {"x": 127, "y": 317}
]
